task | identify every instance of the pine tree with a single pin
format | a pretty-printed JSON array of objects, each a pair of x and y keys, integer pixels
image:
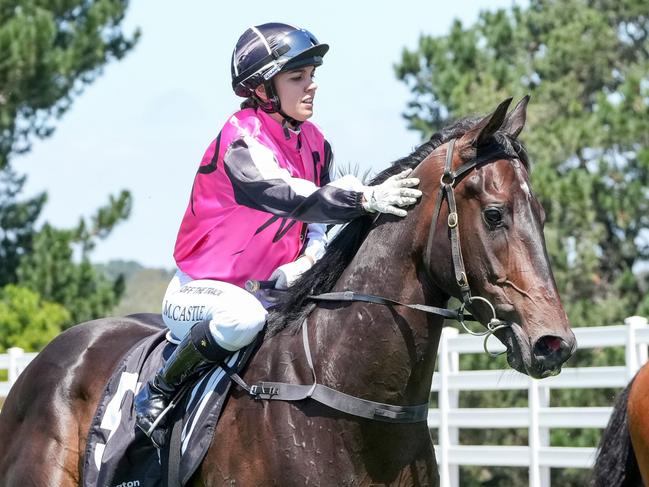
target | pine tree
[
  {"x": 58, "y": 267},
  {"x": 49, "y": 51},
  {"x": 586, "y": 65},
  {"x": 17, "y": 223}
]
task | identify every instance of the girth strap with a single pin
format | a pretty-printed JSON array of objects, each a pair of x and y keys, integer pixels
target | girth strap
[
  {"x": 340, "y": 401},
  {"x": 280, "y": 391}
]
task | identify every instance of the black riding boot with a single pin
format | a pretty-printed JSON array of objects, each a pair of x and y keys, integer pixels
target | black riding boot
[{"x": 196, "y": 349}]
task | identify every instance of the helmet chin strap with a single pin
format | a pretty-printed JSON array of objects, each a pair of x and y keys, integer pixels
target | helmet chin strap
[{"x": 273, "y": 105}]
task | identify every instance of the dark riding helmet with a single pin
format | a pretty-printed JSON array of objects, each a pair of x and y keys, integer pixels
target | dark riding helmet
[{"x": 264, "y": 50}]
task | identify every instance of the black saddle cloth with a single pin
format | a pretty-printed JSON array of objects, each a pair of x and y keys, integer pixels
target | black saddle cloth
[{"x": 118, "y": 453}]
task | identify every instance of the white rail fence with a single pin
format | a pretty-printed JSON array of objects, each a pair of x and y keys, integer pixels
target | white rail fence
[
  {"x": 539, "y": 418},
  {"x": 14, "y": 362}
]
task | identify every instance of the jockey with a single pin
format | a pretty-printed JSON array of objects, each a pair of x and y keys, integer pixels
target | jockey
[{"x": 257, "y": 210}]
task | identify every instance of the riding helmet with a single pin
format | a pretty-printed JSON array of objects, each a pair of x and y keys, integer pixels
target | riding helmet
[{"x": 264, "y": 50}]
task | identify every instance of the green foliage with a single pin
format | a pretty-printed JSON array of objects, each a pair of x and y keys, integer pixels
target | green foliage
[
  {"x": 17, "y": 223},
  {"x": 51, "y": 269},
  {"x": 586, "y": 65},
  {"x": 49, "y": 52},
  {"x": 27, "y": 320}
]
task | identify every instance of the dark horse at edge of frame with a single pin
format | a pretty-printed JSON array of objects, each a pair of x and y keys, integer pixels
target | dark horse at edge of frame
[
  {"x": 381, "y": 353},
  {"x": 623, "y": 452}
]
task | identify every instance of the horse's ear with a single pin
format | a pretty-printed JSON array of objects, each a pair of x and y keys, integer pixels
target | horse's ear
[
  {"x": 486, "y": 127},
  {"x": 515, "y": 121}
]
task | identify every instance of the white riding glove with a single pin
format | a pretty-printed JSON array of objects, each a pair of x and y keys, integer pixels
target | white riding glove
[
  {"x": 285, "y": 275},
  {"x": 391, "y": 193}
]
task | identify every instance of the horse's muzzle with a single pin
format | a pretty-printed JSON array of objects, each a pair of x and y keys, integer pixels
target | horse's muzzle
[{"x": 540, "y": 358}]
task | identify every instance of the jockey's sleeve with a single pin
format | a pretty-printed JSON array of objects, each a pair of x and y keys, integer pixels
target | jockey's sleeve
[{"x": 260, "y": 183}]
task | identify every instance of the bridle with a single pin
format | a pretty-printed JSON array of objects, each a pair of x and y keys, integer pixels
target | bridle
[
  {"x": 363, "y": 407},
  {"x": 448, "y": 182}
]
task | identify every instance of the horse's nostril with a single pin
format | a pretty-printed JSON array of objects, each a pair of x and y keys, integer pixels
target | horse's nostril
[
  {"x": 553, "y": 343},
  {"x": 548, "y": 345}
]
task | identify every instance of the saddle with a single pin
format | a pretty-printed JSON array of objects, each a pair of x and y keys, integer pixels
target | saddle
[{"x": 118, "y": 453}]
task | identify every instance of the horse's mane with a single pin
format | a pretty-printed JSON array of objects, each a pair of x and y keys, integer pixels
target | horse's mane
[{"x": 294, "y": 306}]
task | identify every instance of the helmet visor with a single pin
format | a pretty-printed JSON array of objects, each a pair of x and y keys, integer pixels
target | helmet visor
[{"x": 293, "y": 44}]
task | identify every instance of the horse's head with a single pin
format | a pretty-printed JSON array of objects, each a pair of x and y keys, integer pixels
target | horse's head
[{"x": 500, "y": 239}]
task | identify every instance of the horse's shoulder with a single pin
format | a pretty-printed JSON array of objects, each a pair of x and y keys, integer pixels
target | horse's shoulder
[{"x": 271, "y": 356}]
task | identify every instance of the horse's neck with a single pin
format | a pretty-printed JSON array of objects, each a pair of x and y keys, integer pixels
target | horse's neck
[{"x": 386, "y": 354}]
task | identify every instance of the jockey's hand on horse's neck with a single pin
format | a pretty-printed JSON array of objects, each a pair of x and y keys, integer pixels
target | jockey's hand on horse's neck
[{"x": 392, "y": 193}]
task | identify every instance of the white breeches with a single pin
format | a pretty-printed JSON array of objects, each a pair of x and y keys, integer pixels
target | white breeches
[{"x": 235, "y": 315}]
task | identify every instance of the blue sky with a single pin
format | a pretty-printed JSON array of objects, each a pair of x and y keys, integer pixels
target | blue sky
[{"x": 145, "y": 123}]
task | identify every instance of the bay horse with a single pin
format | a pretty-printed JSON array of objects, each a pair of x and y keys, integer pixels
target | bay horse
[
  {"x": 380, "y": 353},
  {"x": 623, "y": 452}
]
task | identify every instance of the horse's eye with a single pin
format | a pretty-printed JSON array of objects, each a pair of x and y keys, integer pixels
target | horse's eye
[{"x": 493, "y": 216}]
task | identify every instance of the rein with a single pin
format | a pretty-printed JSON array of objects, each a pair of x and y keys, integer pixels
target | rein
[
  {"x": 448, "y": 181},
  {"x": 374, "y": 410}
]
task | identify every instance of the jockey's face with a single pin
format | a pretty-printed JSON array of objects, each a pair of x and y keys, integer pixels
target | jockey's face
[{"x": 296, "y": 90}]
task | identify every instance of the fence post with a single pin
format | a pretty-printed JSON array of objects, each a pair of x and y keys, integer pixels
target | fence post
[
  {"x": 15, "y": 355},
  {"x": 444, "y": 405},
  {"x": 453, "y": 403},
  {"x": 534, "y": 439},
  {"x": 635, "y": 356},
  {"x": 544, "y": 433}
]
